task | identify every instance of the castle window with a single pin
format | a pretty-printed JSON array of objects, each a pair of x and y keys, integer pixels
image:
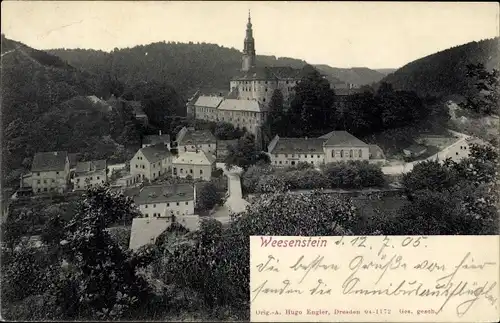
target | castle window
[
  {"x": 360, "y": 153},
  {"x": 266, "y": 89},
  {"x": 341, "y": 153},
  {"x": 350, "y": 153},
  {"x": 333, "y": 152}
]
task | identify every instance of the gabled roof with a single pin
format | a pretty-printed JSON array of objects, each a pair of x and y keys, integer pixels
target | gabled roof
[
  {"x": 165, "y": 193},
  {"x": 209, "y": 101},
  {"x": 416, "y": 149},
  {"x": 194, "y": 158},
  {"x": 49, "y": 161},
  {"x": 155, "y": 153},
  {"x": 197, "y": 137},
  {"x": 257, "y": 73},
  {"x": 90, "y": 166},
  {"x": 156, "y": 139},
  {"x": 298, "y": 145},
  {"x": 145, "y": 231},
  {"x": 342, "y": 138},
  {"x": 240, "y": 105}
]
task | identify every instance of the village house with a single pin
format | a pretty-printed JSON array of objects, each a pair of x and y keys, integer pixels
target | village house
[
  {"x": 335, "y": 146},
  {"x": 151, "y": 162},
  {"x": 166, "y": 200},
  {"x": 195, "y": 164},
  {"x": 89, "y": 174},
  {"x": 190, "y": 140},
  {"x": 460, "y": 149},
  {"x": 50, "y": 172},
  {"x": 152, "y": 140},
  {"x": 414, "y": 151},
  {"x": 290, "y": 151}
]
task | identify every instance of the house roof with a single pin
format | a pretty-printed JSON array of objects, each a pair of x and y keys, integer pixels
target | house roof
[
  {"x": 49, "y": 161},
  {"x": 156, "y": 139},
  {"x": 73, "y": 159},
  {"x": 286, "y": 72},
  {"x": 342, "y": 138},
  {"x": 209, "y": 101},
  {"x": 155, "y": 153},
  {"x": 90, "y": 166},
  {"x": 298, "y": 145},
  {"x": 197, "y": 137},
  {"x": 240, "y": 105},
  {"x": 195, "y": 158},
  {"x": 145, "y": 231},
  {"x": 165, "y": 193},
  {"x": 376, "y": 152}
]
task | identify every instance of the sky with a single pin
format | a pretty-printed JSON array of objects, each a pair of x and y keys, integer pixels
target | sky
[{"x": 340, "y": 34}]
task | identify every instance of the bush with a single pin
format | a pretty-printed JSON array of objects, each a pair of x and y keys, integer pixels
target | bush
[{"x": 353, "y": 175}]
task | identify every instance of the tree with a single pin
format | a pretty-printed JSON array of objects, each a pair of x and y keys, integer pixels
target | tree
[
  {"x": 207, "y": 196},
  {"x": 487, "y": 96},
  {"x": 107, "y": 284},
  {"x": 275, "y": 123},
  {"x": 243, "y": 154}
]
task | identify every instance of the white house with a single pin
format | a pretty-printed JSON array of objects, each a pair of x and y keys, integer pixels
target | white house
[
  {"x": 50, "y": 172},
  {"x": 151, "y": 162},
  {"x": 342, "y": 146},
  {"x": 290, "y": 151},
  {"x": 189, "y": 140},
  {"x": 89, "y": 174},
  {"x": 166, "y": 200},
  {"x": 195, "y": 164}
]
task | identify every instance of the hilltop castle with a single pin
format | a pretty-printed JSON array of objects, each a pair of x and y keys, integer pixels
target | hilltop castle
[{"x": 246, "y": 105}]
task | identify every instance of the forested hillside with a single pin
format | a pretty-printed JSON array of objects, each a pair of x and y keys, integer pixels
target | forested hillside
[
  {"x": 355, "y": 75},
  {"x": 188, "y": 66},
  {"x": 444, "y": 73},
  {"x": 45, "y": 106}
]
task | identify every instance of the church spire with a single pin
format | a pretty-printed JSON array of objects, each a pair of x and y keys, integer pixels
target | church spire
[{"x": 249, "y": 47}]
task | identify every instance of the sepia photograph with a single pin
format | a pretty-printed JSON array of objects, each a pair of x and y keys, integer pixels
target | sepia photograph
[{"x": 149, "y": 146}]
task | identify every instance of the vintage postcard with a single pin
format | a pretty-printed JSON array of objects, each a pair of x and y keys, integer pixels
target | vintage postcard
[{"x": 249, "y": 161}]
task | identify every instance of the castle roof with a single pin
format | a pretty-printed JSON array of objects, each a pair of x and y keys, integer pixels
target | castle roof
[
  {"x": 209, "y": 101},
  {"x": 240, "y": 105}
]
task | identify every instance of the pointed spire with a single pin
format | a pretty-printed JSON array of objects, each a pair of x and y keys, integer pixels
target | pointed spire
[{"x": 249, "y": 24}]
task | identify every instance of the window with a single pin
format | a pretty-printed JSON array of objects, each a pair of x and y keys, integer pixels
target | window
[
  {"x": 360, "y": 153},
  {"x": 154, "y": 205},
  {"x": 293, "y": 155},
  {"x": 90, "y": 177},
  {"x": 177, "y": 203},
  {"x": 78, "y": 180},
  {"x": 264, "y": 100},
  {"x": 142, "y": 166},
  {"x": 457, "y": 153},
  {"x": 350, "y": 153},
  {"x": 266, "y": 89},
  {"x": 286, "y": 155},
  {"x": 286, "y": 161},
  {"x": 276, "y": 155},
  {"x": 45, "y": 181},
  {"x": 175, "y": 170},
  {"x": 187, "y": 203},
  {"x": 39, "y": 190},
  {"x": 45, "y": 189},
  {"x": 53, "y": 180},
  {"x": 37, "y": 174},
  {"x": 98, "y": 177},
  {"x": 182, "y": 170},
  {"x": 177, "y": 211},
  {"x": 280, "y": 162},
  {"x": 312, "y": 156},
  {"x": 201, "y": 171},
  {"x": 57, "y": 173},
  {"x": 136, "y": 166},
  {"x": 190, "y": 171},
  {"x": 333, "y": 152},
  {"x": 312, "y": 162},
  {"x": 168, "y": 204},
  {"x": 341, "y": 153},
  {"x": 208, "y": 145},
  {"x": 146, "y": 206}
]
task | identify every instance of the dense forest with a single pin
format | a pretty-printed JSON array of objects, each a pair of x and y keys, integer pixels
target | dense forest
[
  {"x": 442, "y": 74},
  {"x": 190, "y": 66},
  {"x": 50, "y": 105}
]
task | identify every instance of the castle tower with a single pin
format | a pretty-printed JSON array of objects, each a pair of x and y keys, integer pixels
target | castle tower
[{"x": 249, "y": 48}]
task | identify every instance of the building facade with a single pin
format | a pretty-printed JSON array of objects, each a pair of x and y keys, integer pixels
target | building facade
[
  {"x": 151, "y": 162},
  {"x": 166, "y": 200},
  {"x": 198, "y": 165},
  {"x": 190, "y": 140},
  {"x": 50, "y": 172},
  {"x": 89, "y": 174},
  {"x": 335, "y": 146}
]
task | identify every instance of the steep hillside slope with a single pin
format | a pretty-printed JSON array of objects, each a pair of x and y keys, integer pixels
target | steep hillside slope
[
  {"x": 444, "y": 73},
  {"x": 41, "y": 110}
]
